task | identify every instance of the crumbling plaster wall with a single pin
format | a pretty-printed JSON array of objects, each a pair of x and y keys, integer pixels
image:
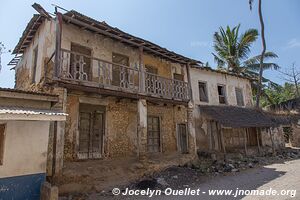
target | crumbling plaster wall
[
  {"x": 169, "y": 116},
  {"x": 121, "y": 124},
  {"x": 278, "y": 138},
  {"x": 165, "y": 68},
  {"x": 120, "y": 136},
  {"x": 202, "y": 137},
  {"x": 295, "y": 140},
  {"x": 102, "y": 47},
  {"x": 44, "y": 40},
  {"x": 213, "y": 79}
]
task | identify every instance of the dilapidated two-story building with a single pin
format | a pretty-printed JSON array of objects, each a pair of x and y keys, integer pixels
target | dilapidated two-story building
[
  {"x": 128, "y": 97},
  {"x": 124, "y": 95}
]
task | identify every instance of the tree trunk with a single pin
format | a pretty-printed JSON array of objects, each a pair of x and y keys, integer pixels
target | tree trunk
[
  {"x": 262, "y": 53},
  {"x": 272, "y": 141},
  {"x": 295, "y": 81},
  {"x": 257, "y": 139},
  {"x": 245, "y": 141}
]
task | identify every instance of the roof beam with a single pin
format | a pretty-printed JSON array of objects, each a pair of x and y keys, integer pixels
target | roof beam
[
  {"x": 41, "y": 10},
  {"x": 98, "y": 30}
]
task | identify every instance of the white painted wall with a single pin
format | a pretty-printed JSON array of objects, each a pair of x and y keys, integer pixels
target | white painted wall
[
  {"x": 212, "y": 80},
  {"x": 25, "y": 148}
]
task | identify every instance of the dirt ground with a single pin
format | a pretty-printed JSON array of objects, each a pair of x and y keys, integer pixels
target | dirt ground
[
  {"x": 102, "y": 175},
  {"x": 252, "y": 173}
]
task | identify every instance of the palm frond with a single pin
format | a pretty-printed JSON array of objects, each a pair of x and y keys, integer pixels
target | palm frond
[
  {"x": 265, "y": 80},
  {"x": 256, "y": 59},
  {"x": 220, "y": 62},
  {"x": 266, "y": 66},
  {"x": 245, "y": 42}
]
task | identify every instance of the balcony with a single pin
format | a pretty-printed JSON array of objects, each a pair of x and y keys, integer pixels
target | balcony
[{"x": 84, "y": 70}]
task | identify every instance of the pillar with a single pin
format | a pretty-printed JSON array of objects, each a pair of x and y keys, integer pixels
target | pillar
[
  {"x": 142, "y": 71},
  {"x": 142, "y": 128},
  {"x": 191, "y": 129},
  {"x": 58, "y": 148}
]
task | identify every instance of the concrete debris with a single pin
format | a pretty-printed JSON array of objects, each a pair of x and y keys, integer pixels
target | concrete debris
[
  {"x": 203, "y": 169},
  {"x": 162, "y": 182}
]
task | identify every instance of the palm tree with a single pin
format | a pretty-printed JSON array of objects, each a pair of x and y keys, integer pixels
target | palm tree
[
  {"x": 264, "y": 47},
  {"x": 232, "y": 53}
]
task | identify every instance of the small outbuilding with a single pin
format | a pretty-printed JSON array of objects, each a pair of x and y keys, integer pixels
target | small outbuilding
[{"x": 26, "y": 119}]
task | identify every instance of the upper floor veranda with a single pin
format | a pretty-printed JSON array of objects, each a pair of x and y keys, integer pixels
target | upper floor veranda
[{"x": 72, "y": 50}]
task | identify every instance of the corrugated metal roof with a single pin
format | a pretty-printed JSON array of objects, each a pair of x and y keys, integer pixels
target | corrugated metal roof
[{"x": 29, "y": 111}]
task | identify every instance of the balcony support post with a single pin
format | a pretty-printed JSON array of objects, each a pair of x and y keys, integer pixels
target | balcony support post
[
  {"x": 191, "y": 115},
  {"x": 57, "y": 44},
  {"x": 190, "y": 94},
  {"x": 142, "y": 70},
  {"x": 142, "y": 129}
]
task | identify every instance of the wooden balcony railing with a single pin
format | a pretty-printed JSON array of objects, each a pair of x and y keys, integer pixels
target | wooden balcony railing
[
  {"x": 76, "y": 67},
  {"x": 165, "y": 87}
]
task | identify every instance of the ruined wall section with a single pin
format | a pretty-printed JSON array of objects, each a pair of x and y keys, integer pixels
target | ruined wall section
[
  {"x": 169, "y": 116},
  {"x": 44, "y": 41},
  {"x": 165, "y": 68},
  {"x": 295, "y": 140},
  {"x": 103, "y": 47},
  {"x": 212, "y": 79},
  {"x": 278, "y": 138},
  {"x": 120, "y": 137}
]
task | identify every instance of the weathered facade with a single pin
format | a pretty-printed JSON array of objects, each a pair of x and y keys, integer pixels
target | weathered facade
[
  {"x": 291, "y": 108},
  {"x": 25, "y": 126},
  {"x": 223, "y": 118},
  {"x": 124, "y": 96},
  {"x": 127, "y": 97}
]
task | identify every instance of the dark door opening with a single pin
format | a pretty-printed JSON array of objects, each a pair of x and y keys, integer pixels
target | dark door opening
[
  {"x": 91, "y": 131},
  {"x": 182, "y": 138},
  {"x": 153, "y": 133}
]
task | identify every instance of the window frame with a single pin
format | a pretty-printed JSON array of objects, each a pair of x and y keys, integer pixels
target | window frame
[
  {"x": 242, "y": 95},
  {"x": 151, "y": 69},
  {"x": 116, "y": 77},
  {"x": 206, "y": 91},
  {"x": 2, "y": 143},
  {"x": 122, "y": 55},
  {"x": 225, "y": 93},
  {"x": 73, "y": 46},
  {"x": 176, "y": 75}
]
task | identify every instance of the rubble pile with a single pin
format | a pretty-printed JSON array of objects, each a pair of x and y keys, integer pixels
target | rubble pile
[{"x": 205, "y": 167}]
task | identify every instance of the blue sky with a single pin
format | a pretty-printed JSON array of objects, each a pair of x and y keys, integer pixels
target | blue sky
[{"x": 185, "y": 27}]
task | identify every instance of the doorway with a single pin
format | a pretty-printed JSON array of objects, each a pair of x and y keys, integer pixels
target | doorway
[
  {"x": 182, "y": 138},
  {"x": 153, "y": 134},
  {"x": 91, "y": 131}
]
